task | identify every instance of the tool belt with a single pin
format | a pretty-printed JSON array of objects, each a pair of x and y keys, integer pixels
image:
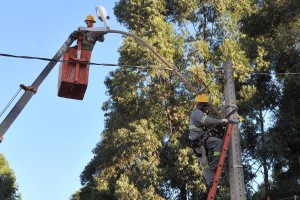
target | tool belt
[{"x": 197, "y": 143}]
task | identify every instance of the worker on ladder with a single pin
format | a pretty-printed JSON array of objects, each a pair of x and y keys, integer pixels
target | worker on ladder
[
  {"x": 89, "y": 38},
  {"x": 201, "y": 122}
]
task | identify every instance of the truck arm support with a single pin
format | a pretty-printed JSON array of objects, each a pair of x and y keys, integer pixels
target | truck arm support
[{"x": 16, "y": 110}]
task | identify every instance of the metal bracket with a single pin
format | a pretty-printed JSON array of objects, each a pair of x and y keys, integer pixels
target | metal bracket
[
  {"x": 29, "y": 88},
  {"x": 102, "y": 30}
]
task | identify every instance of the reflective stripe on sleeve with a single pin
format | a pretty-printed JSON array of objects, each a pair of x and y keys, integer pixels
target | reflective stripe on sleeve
[
  {"x": 203, "y": 119},
  {"x": 216, "y": 153},
  {"x": 195, "y": 128}
]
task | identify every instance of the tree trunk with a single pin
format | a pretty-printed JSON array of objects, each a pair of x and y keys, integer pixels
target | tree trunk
[
  {"x": 263, "y": 141},
  {"x": 183, "y": 192}
]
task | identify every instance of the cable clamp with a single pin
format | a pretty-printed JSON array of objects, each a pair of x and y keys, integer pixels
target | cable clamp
[{"x": 29, "y": 88}]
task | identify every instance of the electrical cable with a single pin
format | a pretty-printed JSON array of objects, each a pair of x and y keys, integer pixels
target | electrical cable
[
  {"x": 82, "y": 62},
  {"x": 143, "y": 67}
]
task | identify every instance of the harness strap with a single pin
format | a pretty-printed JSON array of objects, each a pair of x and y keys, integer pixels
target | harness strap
[
  {"x": 78, "y": 56},
  {"x": 205, "y": 139},
  {"x": 197, "y": 143}
]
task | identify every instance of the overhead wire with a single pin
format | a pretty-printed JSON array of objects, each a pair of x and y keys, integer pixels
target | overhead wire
[
  {"x": 83, "y": 62},
  {"x": 142, "y": 67},
  {"x": 172, "y": 133},
  {"x": 130, "y": 66}
]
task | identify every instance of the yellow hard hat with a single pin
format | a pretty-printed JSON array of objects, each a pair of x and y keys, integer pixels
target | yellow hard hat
[
  {"x": 201, "y": 98},
  {"x": 90, "y": 18}
]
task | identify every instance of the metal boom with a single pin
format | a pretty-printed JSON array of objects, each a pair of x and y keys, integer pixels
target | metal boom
[{"x": 19, "y": 106}]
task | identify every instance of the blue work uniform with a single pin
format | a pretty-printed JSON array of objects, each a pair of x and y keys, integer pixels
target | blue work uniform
[{"x": 199, "y": 121}]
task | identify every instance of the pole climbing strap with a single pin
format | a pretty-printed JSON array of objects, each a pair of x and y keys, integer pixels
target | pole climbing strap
[{"x": 231, "y": 112}]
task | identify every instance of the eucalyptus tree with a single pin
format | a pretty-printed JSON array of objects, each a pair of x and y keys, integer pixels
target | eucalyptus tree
[
  {"x": 275, "y": 27},
  {"x": 144, "y": 151}
]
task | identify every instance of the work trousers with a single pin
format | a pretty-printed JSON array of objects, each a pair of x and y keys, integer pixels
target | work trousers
[{"x": 215, "y": 145}]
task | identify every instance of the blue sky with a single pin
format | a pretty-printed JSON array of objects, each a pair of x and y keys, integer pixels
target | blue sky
[{"x": 50, "y": 142}]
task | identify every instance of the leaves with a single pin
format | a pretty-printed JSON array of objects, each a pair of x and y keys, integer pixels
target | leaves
[
  {"x": 144, "y": 152},
  {"x": 9, "y": 188}
]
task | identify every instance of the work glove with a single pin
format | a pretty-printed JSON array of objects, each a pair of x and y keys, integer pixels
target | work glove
[
  {"x": 101, "y": 38},
  {"x": 224, "y": 121}
]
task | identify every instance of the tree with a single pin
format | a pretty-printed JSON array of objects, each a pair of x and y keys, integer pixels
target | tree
[
  {"x": 278, "y": 34},
  {"x": 144, "y": 151},
  {"x": 9, "y": 188}
]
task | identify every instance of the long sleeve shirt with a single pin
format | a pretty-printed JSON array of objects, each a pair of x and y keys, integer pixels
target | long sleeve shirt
[
  {"x": 89, "y": 39},
  {"x": 199, "y": 119}
]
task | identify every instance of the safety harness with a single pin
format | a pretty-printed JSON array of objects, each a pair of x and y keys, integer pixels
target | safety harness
[{"x": 198, "y": 143}]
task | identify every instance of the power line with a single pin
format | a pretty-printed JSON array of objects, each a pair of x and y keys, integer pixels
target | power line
[
  {"x": 141, "y": 67},
  {"x": 83, "y": 62}
]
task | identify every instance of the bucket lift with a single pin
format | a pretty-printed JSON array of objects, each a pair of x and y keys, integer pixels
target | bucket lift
[{"x": 73, "y": 75}]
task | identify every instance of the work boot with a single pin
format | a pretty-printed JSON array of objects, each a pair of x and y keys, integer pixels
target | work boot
[{"x": 209, "y": 185}]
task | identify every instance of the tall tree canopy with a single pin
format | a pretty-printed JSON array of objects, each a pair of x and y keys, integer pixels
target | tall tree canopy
[
  {"x": 275, "y": 26},
  {"x": 144, "y": 151}
]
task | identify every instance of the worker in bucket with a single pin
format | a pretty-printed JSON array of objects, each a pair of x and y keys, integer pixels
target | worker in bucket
[
  {"x": 201, "y": 122},
  {"x": 89, "y": 38}
]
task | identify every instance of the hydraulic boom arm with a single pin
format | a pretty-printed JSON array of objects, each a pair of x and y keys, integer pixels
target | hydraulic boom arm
[{"x": 13, "y": 114}]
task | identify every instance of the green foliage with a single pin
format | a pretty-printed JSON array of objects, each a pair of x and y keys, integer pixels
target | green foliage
[
  {"x": 274, "y": 28},
  {"x": 136, "y": 14},
  {"x": 9, "y": 188},
  {"x": 144, "y": 152}
]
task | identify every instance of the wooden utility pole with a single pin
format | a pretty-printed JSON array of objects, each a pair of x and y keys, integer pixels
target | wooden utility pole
[{"x": 236, "y": 172}]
